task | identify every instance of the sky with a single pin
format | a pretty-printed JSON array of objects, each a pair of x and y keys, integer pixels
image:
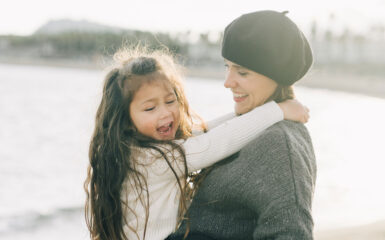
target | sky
[{"x": 23, "y": 17}]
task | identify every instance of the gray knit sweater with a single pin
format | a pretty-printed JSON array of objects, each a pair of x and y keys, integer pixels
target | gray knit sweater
[{"x": 263, "y": 192}]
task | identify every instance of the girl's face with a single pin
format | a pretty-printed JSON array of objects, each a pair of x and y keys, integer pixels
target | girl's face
[
  {"x": 154, "y": 110},
  {"x": 250, "y": 89}
]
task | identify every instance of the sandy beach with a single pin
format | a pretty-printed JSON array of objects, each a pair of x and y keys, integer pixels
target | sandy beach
[
  {"x": 347, "y": 80},
  {"x": 374, "y": 231}
]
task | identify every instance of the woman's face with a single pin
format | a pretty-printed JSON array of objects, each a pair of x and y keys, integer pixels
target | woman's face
[{"x": 250, "y": 89}]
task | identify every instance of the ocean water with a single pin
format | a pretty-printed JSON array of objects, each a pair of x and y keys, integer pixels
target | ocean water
[{"x": 46, "y": 120}]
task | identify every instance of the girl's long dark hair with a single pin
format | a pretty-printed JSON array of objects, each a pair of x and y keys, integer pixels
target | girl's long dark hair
[{"x": 110, "y": 154}]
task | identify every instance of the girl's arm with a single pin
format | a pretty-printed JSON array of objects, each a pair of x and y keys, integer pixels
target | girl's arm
[
  {"x": 215, "y": 122},
  {"x": 218, "y": 121},
  {"x": 231, "y": 136},
  {"x": 228, "y": 138},
  {"x": 292, "y": 109}
]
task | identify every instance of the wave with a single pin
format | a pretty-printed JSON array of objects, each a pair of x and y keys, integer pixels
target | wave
[{"x": 33, "y": 220}]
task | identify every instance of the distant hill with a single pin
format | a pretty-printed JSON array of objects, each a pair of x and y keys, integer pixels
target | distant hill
[{"x": 66, "y": 25}]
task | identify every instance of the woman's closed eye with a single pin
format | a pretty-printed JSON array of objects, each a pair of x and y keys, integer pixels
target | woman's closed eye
[
  {"x": 242, "y": 73},
  {"x": 171, "y": 101}
]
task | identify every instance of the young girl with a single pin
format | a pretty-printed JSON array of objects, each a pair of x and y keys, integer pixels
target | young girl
[{"x": 142, "y": 149}]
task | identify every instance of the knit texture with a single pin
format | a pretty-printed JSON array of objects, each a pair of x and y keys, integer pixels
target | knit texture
[
  {"x": 263, "y": 192},
  {"x": 228, "y": 137}
]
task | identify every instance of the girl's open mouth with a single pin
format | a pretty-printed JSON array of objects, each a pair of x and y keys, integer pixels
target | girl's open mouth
[{"x": 166, "y": 129}]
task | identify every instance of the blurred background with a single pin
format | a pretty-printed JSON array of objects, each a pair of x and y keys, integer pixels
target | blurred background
[{"x": 52, "y": 60}]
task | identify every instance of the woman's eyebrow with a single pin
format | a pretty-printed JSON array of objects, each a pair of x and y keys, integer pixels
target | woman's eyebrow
[{"x": 239, "y": 67}]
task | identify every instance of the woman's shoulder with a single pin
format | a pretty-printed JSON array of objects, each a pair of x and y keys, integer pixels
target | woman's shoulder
[
  {"x": 284, "y": 139},
  {"x": 288, "y": 132},
  {"x": 285, "y": 127},
  {"x": 284, "y": 148}
]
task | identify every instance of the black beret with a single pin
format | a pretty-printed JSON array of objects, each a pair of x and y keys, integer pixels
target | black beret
[{"x": 269, "y": 43}]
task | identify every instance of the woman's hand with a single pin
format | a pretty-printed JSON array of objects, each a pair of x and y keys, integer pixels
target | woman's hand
[{"x": 293, "y": 110}]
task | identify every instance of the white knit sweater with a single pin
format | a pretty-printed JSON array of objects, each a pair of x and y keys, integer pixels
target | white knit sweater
[{"x": 226, "y": 136}]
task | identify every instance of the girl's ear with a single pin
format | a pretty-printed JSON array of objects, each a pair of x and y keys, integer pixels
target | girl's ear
[{"x": 132, "y": 129}]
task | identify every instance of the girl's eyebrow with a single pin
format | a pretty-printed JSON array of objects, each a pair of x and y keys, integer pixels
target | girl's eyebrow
[
  {"x": 155, "y": 99},
  {"x": 169, "y": 94},
  {"x": 149, "y": 100}
]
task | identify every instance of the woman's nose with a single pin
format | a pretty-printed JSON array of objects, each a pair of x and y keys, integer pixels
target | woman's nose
[{"x": 229, "y": 81}]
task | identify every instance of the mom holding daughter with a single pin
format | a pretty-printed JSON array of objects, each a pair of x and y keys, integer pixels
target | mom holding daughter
[
  {"x": 147, "y": 143},
  {"x": 266, "y": 190}
]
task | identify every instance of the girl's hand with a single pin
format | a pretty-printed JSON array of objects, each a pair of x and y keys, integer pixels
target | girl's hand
[{"x": 293, "y": 110}]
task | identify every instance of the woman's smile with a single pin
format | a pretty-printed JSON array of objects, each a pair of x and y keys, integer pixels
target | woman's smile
[
  {"x": 239, "y": 97},
  {"x": 250, "y": 89}
]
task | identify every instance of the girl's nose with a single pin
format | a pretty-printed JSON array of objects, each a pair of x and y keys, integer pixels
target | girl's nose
[{"x": 165, "y": 112}]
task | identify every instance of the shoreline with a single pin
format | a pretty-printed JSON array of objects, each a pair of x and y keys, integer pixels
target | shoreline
[
  {"x": 345, "y": 79},
  {"x": 373, "y": 231}
]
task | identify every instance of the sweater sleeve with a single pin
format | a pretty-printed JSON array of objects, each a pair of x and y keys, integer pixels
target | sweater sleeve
[
  {"x": 264, "y": 192},
  {"x": 228, "y": 138},
  {"x": 292, "y": 222},
  {"x": 285, "y": 190},
  {"x": 218, "y": 121},
  {"x": 208, "y": 148}
]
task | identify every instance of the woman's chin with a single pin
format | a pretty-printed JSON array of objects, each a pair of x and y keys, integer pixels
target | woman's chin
[
  {"x": 244, "y": 107},
  {"x": 241, "y": 109}
]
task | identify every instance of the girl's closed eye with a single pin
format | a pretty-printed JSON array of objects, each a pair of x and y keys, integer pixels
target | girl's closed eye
[
  {"x": 149, "y": 109},
  {"x": 171, "y": 101}
]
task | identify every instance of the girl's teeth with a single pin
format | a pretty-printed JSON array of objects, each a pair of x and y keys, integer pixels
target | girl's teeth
[{"x": 165, "y": 128}]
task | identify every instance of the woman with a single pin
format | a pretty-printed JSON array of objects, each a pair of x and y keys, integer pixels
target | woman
[{"x": 264, "y": 191}]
